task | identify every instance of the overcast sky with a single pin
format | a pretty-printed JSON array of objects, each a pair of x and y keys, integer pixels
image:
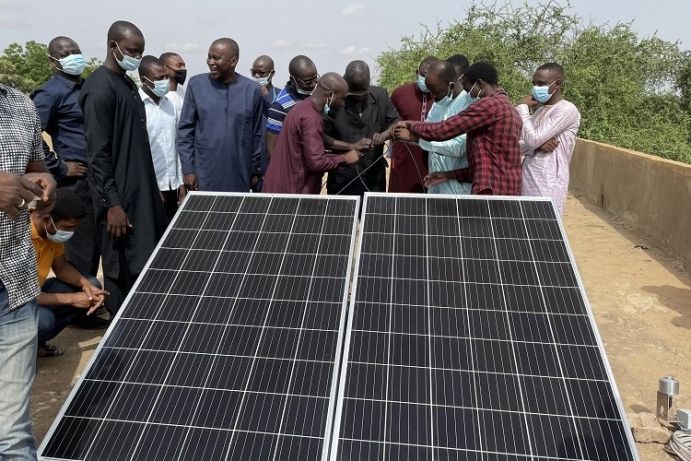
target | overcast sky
[{"x": 331, "y": 32}]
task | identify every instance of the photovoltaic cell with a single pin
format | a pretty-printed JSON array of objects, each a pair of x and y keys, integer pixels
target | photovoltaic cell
[
  {"x": 227, "y": 347},
  {"x": 469, "y": 337}
]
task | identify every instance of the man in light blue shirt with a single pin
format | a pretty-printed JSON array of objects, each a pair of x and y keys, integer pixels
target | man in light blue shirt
[
  {"x": 443, "y": 81},
  {"x": 162, "y": 119}
]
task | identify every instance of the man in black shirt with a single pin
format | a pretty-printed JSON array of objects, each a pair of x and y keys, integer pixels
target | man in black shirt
[
  {"x": 368, "y": 113},
  {"x": 128, "y": 206},
  {"x": 57, "y": 104}
]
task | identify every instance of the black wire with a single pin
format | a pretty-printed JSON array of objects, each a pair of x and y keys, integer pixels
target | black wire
[{"x": 360, "y": 173}]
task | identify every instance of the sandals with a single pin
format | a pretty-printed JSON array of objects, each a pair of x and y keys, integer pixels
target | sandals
[{"x": 48, "y": 350}]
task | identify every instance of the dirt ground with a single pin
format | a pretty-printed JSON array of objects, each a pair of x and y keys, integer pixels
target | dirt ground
[{"x": 640, "y": 296}]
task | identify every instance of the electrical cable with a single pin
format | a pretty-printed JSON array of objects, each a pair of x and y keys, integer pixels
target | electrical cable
[{"x": 680, "y": 445}]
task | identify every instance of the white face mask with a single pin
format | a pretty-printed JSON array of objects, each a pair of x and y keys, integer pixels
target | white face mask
[{"x": 60, "y": 236}]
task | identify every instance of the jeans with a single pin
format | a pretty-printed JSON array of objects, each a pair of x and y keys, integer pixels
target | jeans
[
  {"x": 17, "y": 368},
  {"x": 52, "y": 320}
]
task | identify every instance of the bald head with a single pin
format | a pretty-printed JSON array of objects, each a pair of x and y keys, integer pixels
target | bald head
[
  {"x": 442, "y": 70},
  {"x": 263, "y": 61},
  {"x": 331, "y": 81},
  {"x": 357, "y": 76},
  {"x": 58, "y": 44},
  {"x": 121, "y": 30},
  {"x": 301, "y": 64}
]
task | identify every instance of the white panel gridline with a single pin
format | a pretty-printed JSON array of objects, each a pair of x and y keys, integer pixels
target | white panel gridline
[
  {"x": 189, "y": 369},
  {"x": 469, "y": 336}
]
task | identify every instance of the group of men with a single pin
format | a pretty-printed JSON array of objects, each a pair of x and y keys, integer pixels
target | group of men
[{"x": 124, "y": 156}]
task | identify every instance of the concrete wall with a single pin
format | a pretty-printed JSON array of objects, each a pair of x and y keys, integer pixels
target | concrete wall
[{"x": 651, "y": 193}]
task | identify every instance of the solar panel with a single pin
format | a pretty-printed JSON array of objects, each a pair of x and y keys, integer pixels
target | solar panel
[
  {"x": 469, "y": 337},
  {"x": 227, "y": 346}
]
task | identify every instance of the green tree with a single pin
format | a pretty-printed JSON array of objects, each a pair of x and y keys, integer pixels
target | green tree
[
  {"x": 633, "y": 92},
  {"x": 26, "y": 68}
]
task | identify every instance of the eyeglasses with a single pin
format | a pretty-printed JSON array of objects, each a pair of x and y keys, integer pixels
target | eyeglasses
[
  {"x": 259, "y": 73},
  {"x": 311, "y": 82}
]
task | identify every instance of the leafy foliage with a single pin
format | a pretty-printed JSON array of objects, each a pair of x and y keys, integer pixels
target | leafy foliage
[
  {"x": 633, "y": 92},
  {"x": 28, "y": 68}
]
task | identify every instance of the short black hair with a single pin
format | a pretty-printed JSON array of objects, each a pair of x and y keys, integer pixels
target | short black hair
[
  {"x": 167, "y": 55},
  {"x": 147, "y": 63},
  {"x": 229, "y": 43},
  {"x": 553, "y": 67},
  {"x": 459, "y": 62},
  {"x": 68, "y": 205},
  {"x": 482, "y": 70},
  {"x": 299, "y": 62},
  {"x": 120, "y": 29},
  {"x": 357, "y": 75}
]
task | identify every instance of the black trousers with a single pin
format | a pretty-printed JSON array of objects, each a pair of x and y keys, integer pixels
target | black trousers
[
  {"x": 83, "y": 250},
  {"x": 170, "y": 202}
]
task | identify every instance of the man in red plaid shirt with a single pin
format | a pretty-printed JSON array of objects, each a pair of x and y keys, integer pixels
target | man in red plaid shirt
[{"x": 494, "y": 129}]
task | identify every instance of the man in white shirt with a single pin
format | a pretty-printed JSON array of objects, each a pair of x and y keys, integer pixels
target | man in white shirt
[
  {"x": 162, "y": 118},
  {"x": 177, "y": 74}
]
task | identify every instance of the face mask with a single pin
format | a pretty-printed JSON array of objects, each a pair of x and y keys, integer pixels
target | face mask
[
  {"x": 327, "y": 106},
  {"x": 262, "y": 81},
  {"x": 127, "y": 63},
  {"x": 300, "y": 90},
  {"x": 180, "y": 76},
  {"x": 421, "y": 83},
  {"x": 60, "y": 236},
  {"x": 72, "y": 65},
  {"x": 446, "y": 100},
  {"x": 161, "y": 87},
  {"x": 542, "y": 94},
  {"x": 478, "y": 93}
]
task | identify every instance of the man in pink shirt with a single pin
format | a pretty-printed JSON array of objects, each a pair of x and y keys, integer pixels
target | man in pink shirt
[{"x": 299, "y": 159}]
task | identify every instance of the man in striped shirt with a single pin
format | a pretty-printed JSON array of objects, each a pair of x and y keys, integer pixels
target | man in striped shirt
[{"x": 303, "y": 79}]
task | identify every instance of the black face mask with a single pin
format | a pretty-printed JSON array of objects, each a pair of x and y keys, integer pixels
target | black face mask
[{"x": 180, "y": 76}]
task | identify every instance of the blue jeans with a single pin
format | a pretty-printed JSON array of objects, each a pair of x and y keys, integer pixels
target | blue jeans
[
  {"x": 52, "y": 320},
  {"x": 17, "y": 368}
]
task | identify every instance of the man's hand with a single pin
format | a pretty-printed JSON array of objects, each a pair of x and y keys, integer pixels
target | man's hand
[
  {"x": 264, "y": 90},
  {"x": 118, "y": 223},
  {"x": 182, "y": 192},
  {"x": 380, "y": 138},
  {"x": 434, "y": 179},
  {"x": 351, "y": 157},
  {"x": 75, "y": 169},
  {"x": 404, "y": 134},
  {"x": 15, "y": 193},
  {"x": 529, "y": 101},
  {"x": 190, "y": 181},
  {"x": 549, "y": 146},
  {"x": 48, "y": 187},
  {"x": 96, "y": 296},
  {"x": 362, "y": 145},
  {"x": 81, "y": 300}
]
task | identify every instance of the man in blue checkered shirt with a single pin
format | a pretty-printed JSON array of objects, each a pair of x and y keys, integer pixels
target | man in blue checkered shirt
[{"x": 23, "y": 175}]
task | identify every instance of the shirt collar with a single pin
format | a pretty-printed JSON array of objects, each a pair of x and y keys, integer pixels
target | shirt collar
[
  {"x": 34, "y": 233},
  {"x": 66, "y": 81},
  {"x": 145, "y": 97}
]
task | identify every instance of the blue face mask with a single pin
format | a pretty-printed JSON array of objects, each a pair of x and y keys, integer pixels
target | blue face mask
[
  {"x": 60, "y": 236},
  {"x": 161, "y": 87},
  {"x": 327, "y": 106},
  {"x": 421, "y": 83},
  {"x": 542, "y": 94},
  {"x": 127, "y": 62},
  {"x": 72, "y": 65},
  {"x": 262, "y": 81},
  {"x": 446, "y": 100}
]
